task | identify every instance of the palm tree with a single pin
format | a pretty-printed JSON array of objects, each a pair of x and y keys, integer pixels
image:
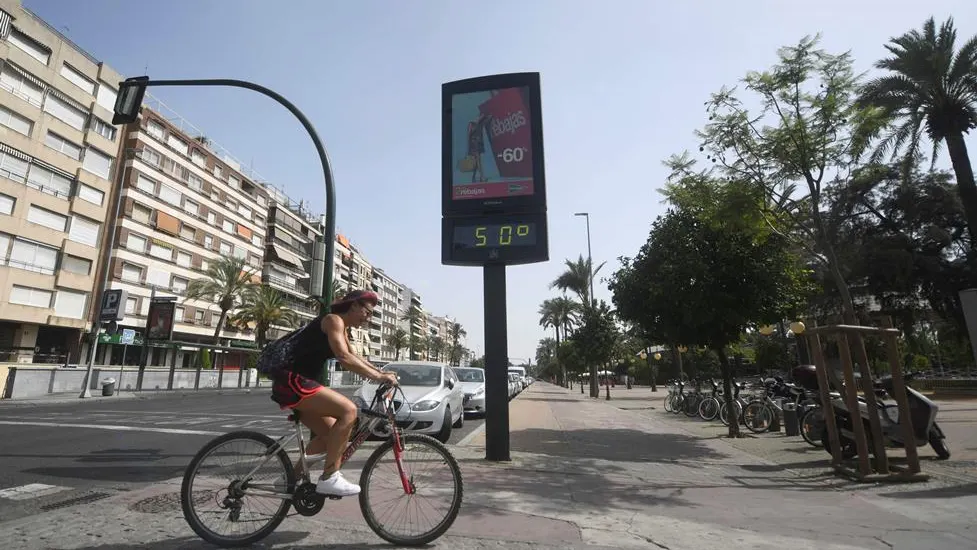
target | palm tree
[
  {"x": 455, "y": 333},
  {"x": 398, "y": 341},
  {"x": 227, "y": 281},
  {"x": 436, "y": 346},
  {"x": 264, "y": 306},
  {"x": 931, "y": 86},
  {"x": 560, "y": 314},
  {"x": 413, "y": 315},
  {"x": 576, "y": 278}
]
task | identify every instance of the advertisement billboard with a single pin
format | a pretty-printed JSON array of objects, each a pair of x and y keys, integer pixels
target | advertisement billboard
[
  {"x": 159, "y": 325},
  {"x": 492, "y": 145}
]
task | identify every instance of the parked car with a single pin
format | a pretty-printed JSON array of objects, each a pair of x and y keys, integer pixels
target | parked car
[
  {"x": 515, "y": 385},
  {"x": 435, "y": 402},
  {"x": 473, "y": 388}
]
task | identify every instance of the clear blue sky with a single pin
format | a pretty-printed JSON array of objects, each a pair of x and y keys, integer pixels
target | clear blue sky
[{"x": 623, "y": 88}]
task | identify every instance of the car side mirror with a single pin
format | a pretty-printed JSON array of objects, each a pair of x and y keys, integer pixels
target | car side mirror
[{"x": 450, "y": 384}]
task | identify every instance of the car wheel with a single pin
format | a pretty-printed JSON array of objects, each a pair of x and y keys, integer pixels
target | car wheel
[
  {"x": 461, "y": 420},
  {"x": 445, "y": 432}
]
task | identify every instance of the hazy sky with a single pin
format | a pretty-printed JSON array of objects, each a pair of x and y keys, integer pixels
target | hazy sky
[{"x": 623, "y": 86}]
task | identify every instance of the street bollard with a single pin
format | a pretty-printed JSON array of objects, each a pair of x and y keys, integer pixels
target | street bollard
[
  {"x": 792, "y": 426},
  {"x": 108, "y": 387}
]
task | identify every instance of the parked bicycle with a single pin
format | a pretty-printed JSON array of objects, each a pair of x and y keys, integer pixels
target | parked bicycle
[{"x": 274, "y": 491}]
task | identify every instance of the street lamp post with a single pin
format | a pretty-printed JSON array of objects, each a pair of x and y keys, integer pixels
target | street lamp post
[{"x": 590, "y": 259}]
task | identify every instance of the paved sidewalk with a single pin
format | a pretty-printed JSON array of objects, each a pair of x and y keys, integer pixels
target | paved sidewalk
[{"x": 584, "y": 474}]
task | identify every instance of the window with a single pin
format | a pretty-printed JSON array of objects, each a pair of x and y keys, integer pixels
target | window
[
  {"x": 15, "y": 122},
  {"x": 141, "y": 213},
  {"x": 64, "y": 111},
  {"x": 151, "y": 157},
  {"x": 33, "y": 257},
  {"x": 218, "y": 173},
  {"x": 84, "y": 230},
  {"x": 198, "y": 158},
  {"x": 145, "y": 184},
  {"x": 228, "y": 225},
  {"x": 154, "y": 129},
  {"x": 70, "y": 304},
  {"x": 75, "y": 76},
  {"x": 212, "y": 218},
  {"x": 195, "y": 183},
  {"x": 191, "y": 207},
  {"x": 198, "y": 316},
  {"x": 158, "y": 277},
  {"x": 256, "y": 240},
  {"x": 226, "y": 248},
  {"x": 177, "y": 144},
  {"x": 42, "y": 216},
  {"x": 188, "y": 232},
  {"x": 74, "y": 264},
  {"x": 131, "y": 305},
  {"x": 21, "y": 86},
  {"x": 29, "y": 46},
  {"x": 7, "y": 204},
  {"x": 34, "y": 297},
  {"x": 46, "y": 181},
  {"x": 97, "y": 163},
  {"x": 179, "y": 284},
  {"x": 204, "y": 265},
  {"x": 103, "y": 129},
  {"x": 183, "y": 259},
  {"x": 90, "y": 194},
  {"x": 13, "y": 168},
  {"x": 240, "y": 252},
  {"x": 179, "y": 314},
  {"x": 170, "y": 195},
  {"x": 208, "y": 242},
  {"x": 161, "y": 251},
  {"x": 106, "y": 96},
  {"x": 244, "y": 211},
  {"x": 63, "y": 146},
  {"x": 136, "y": 243},
  {"x": 132, "y": 273},
  {"x": 234, "y": 182}
]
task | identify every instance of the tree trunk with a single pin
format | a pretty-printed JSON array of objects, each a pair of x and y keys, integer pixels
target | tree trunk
[
  {"x": 594, "y": 383},
  {"x": 734, "y": 425},
  {"x": 563, "y": 369},
  {"x": 966, "y": 186}
]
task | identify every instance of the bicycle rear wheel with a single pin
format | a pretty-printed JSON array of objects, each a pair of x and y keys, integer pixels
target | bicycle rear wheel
[
  {"x": 390, "y": 525},
  {"x": 244, "y": 522}
]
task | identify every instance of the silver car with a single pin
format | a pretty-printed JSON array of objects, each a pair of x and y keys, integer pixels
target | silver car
[
  {"x": 473, "y": 387},
  {"x": 435, "y": 402}
]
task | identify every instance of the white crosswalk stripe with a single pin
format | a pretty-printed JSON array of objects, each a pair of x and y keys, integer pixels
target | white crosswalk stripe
[{"x": 33, "y": 490}]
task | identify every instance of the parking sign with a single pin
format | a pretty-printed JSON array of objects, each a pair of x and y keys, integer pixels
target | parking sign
[{"x": 113, "y": 305}]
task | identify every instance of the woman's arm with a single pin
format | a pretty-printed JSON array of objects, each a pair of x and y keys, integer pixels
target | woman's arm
[{"x": 333, "y": 327}]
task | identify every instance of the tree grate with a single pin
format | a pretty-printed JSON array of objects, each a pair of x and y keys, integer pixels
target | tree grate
[{"x": 83, "y": 499}]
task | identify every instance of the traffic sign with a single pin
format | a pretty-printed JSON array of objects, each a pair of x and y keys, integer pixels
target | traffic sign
[
  {"x": 128, "y": 337},
  {"x": 113, "y": 305}
]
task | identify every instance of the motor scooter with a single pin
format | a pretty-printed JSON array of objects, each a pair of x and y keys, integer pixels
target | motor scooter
[{"x": 922, "y": 411}]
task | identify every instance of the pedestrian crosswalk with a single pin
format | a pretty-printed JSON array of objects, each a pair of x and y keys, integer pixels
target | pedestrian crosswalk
[{"x": 30, "y": 491}]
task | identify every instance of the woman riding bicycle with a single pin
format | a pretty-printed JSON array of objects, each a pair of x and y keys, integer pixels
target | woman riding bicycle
[{"x": 327, "y": 413}]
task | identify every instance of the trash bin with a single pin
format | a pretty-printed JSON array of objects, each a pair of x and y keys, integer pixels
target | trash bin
[
  {"x": 792, "y": 425},
  {"x": 108, "y": 387}
]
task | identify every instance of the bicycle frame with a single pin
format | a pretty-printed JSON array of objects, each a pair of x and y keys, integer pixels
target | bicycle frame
[{"x": 384, "y": 396}]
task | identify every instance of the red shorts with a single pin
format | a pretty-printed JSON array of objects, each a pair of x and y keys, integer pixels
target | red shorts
[{"x": 289, "y": 389}]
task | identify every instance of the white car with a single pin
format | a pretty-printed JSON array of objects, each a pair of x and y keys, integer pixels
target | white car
[
  {"x": 473, "y": 387},
  {"x": 435, "y": 402}
]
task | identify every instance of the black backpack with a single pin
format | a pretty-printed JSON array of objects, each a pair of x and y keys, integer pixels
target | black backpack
[{"x": 282, "y": 352}]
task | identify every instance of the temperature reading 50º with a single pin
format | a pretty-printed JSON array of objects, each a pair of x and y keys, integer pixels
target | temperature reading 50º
[
  {"x": 500, "y": 235},
  {"x": 512, "y": 154}
]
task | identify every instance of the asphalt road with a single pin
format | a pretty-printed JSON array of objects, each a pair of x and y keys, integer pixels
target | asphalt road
[{"x": 53, "y": 452}]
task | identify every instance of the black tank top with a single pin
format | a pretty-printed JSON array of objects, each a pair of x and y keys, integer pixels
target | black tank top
[{"x": 312, "y": 351}]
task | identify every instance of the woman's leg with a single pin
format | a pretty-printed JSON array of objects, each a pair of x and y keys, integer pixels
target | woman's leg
[
  {"x": 320, "y": 426},
  {"x": 319, "y": 409}
]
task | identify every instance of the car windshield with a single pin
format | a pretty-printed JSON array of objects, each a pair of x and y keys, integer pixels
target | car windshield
[
  {"x": 470, "y": 375},
  {"x": 416, "y": 375}
]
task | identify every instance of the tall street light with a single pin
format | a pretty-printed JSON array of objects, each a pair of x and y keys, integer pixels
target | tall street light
[{"x": 590, "y": 259}]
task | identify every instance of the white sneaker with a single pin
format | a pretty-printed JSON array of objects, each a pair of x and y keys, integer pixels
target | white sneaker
[{"x": 337, "y": 485}]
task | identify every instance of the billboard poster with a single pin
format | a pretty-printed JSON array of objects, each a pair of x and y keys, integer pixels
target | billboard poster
[
  {"x": 491, "y": 144},
  {"x": 159, "y": 326}
]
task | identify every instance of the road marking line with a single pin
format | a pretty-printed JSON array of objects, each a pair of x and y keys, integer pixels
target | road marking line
[
  {"x": 472, "y": 435},
  {"x": 113, "y": 427},
  {"x": 281, "y": 417},
  {"x": 33, "y": 490}
]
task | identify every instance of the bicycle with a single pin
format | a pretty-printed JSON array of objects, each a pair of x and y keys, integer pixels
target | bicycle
[{"x": 299, "y": 491}]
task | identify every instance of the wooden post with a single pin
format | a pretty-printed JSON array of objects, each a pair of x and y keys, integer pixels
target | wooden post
[
  {"x": 814, "y": 345},
  {"x": 899, "y": 388},
  {"x": 874, "y": 422},
  {"x": 851, "y": 401}
]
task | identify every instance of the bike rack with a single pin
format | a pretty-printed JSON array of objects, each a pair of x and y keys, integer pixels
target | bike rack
[{"x": 846, "y": 336}]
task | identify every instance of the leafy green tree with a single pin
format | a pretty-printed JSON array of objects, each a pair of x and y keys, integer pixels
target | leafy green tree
[
  {"x": 478, "y": 362},
  {"x": 704, "y": 281},
  {"x": 931, "y": 88},
  {"x": 398, "y": 341},
  {"x": 561, "y": 314},
  {"x": 227, "y": 282},
  {"x": 264, "y": 307},
  {"x": 595, "y": 340},
  {"x": 576, "y": 278}
]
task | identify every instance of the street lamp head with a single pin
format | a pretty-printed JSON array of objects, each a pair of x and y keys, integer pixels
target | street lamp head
[{"x": 581, "y": 214}]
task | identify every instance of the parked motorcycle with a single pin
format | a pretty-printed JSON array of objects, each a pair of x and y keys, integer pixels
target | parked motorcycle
[{"x": 922, "y": 410}]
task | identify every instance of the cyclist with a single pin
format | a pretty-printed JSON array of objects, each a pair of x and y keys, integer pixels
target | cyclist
[{"x": 329, "y": 415}]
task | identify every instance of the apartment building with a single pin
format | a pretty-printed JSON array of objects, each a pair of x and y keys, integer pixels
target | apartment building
[
  {"x": 410, "y": 306},
  {"x": 57, "y": 162},
  {"x": 184, "y": 206},
  {"x": 390, "y": 292},
  {"x": 291, "y": 233},
  {"x": 353, "y": 271}
]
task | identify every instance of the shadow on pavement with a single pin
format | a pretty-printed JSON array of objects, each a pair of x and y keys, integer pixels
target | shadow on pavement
[
  {"x": 194, "y": 543},
  {"x": 107, "y": 455},
  {"x": 612, "y": 444},
  {"x": 967, "y": 490},
  {"x": 116, "y": 473}
]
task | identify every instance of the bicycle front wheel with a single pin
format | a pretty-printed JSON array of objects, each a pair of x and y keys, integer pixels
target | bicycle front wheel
[
  {"x": 225, "y": 505},
  {"x": 441, "y": 490}
]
